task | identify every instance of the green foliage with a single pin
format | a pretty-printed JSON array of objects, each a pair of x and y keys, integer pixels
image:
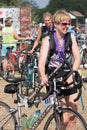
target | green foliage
[
  {"x": 80, "y": 5},
  {"x": 9, "y": 3},
  {"x": 54, "y": 5}
]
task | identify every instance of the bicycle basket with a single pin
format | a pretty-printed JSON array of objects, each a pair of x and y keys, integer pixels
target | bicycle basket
[{"x": 11, "y": 88}]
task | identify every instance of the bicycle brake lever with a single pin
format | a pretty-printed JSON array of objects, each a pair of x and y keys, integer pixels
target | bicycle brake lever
[{"x": 78, "y": 96}]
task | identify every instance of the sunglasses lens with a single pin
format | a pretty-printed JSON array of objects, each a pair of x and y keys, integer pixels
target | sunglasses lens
[{"x": 65, "y": 24}]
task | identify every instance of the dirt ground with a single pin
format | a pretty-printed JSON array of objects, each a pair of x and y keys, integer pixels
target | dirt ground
[{"x": 9, "y": 99}]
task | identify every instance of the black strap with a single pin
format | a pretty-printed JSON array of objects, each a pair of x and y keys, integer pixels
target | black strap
[{"x": 68, "y": 41}]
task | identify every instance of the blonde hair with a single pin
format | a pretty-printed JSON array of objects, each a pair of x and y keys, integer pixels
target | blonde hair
[
  {"x": 8, "y": 21},
  {"x": 60, "y": 16},
  {"x": 47, "y": 14}
]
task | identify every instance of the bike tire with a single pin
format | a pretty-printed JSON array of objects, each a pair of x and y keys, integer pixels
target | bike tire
[
  {"x": 51, "y": 123},
  {"x": 7, "y": 118}
]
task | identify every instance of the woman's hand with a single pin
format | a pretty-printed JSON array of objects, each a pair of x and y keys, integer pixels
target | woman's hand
[
  {"x": 69, "y": 80},
  {"x": 44, "y": 81},
  {"x": 31, "y": 51}
]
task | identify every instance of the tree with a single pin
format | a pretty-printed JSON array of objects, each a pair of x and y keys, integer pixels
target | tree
[
  {"x": 10, "y": 2},
  {"x": 54, "y": 5}
]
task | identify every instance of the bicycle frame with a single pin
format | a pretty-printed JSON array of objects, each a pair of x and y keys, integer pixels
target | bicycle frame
[
  {"x": 56, "y": 107},
  {"x": 18, "y": 110},
  {"x": 25, "y": 104},
  {"x": 31, "y": 69}
]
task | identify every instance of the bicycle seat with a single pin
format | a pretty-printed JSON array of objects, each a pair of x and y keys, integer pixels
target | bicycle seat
[
  {"x": 15, "y": 79},
  {"x": 11, "y": 88}
]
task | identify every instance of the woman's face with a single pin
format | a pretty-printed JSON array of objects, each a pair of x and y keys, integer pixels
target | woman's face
[
  {"x": 47, "y": 21},
  {"x": 62, "y": 27}
]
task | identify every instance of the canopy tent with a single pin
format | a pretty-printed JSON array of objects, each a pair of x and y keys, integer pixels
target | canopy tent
[{"x": 72, "y": 16}]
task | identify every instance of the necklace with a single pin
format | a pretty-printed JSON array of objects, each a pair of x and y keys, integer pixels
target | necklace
[
  {"x": 60, "y": 46},
  {"x": 60, "y": 43}
]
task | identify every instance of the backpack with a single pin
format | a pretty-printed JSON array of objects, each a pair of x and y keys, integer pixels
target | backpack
[
  {"x": 68, "y": 41},
  {"x": 68, "y": 45},
  {"x": 47, "y": 31},
  {"x": 68, "y": 48}
]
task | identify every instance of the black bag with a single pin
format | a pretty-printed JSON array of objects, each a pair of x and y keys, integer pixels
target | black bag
[{"x": 11, "y": 88}]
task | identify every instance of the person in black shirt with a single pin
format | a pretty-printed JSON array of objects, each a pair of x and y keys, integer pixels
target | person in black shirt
[
  {"x": 51, "y": 53},
  {"x": 44, "y": 28}
]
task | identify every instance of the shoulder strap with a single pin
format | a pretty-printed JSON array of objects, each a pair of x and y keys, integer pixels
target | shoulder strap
[
  {"x": 43, "y": 28},
  {"x": 68, "y": 41},
  {"x": 52, "y": 46},
  {"x": 48, "y": 32}
]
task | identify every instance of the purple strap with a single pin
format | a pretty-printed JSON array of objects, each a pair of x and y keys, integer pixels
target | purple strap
[{"x": 59, "y": 49}]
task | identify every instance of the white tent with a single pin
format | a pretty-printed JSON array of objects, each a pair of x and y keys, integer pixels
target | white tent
[{"x": 72, "y": 16}]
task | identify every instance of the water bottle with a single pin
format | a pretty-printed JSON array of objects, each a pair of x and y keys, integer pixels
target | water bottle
[
  {"x": 24, "y": 122},
  {"x": 33, "y": 118}
]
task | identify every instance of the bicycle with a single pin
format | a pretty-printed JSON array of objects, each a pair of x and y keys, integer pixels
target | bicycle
[
  {"x": 54, "y": 120},
  {"x": 12, "y": 62},
  {"x": 83, "y": 52},
  {"x": 29, "y": 69},
  {"x": 13, "y": 58}
]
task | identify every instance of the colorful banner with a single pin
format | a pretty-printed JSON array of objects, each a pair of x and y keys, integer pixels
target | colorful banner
[{"x": 25, "y": 20}]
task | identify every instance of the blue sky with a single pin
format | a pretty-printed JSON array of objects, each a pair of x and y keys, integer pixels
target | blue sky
[{"x": 41, "y": 3}]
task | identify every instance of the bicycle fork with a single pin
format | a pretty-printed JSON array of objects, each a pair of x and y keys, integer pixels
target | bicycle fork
[{"x": 57, "y": 109}]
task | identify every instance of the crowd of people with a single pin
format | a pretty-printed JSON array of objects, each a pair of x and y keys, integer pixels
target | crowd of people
[{"x": 53, "y": 36}]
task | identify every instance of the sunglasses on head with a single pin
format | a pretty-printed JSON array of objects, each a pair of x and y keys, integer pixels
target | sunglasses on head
[{"x": 65, "y": 24}]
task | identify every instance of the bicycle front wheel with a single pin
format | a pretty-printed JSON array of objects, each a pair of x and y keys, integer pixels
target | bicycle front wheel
[
  {"x": 80, "y": 123},
  {"x": 7, "y": 118}
]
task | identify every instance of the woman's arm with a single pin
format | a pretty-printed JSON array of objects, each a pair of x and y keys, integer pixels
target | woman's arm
[
  {"x": 17, "y": 37},
  {"x": 42, "y": 60},
  {"x": 37, "y": 41},
  {"x": 76, "y": 53}
]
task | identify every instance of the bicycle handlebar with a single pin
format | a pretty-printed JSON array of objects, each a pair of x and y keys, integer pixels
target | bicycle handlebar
[
  {"x": 77, "y": 79},
  {"x": 28, "y": 41},
  {"x": 40, "y": 87},
  {"x": 50, "y": 88},
  {"x": 84, "y": 80}
]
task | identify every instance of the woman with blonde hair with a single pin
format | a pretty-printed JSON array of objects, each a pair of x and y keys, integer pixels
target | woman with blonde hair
[
  {"x": 50, "y": 58},
  {"x": 43, "y": 29}
]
